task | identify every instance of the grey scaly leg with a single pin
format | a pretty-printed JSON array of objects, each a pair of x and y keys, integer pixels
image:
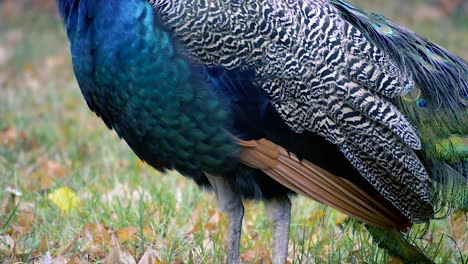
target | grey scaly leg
[
  {"x": 279, "y": 212},
  {"x": 229, "y": 202}
]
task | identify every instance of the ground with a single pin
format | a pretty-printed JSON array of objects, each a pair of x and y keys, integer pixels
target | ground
[{"x": 70, "y": 190}]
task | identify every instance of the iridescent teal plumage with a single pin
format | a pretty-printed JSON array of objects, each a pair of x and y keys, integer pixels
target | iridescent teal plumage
[{"x": 136, "y": 79}]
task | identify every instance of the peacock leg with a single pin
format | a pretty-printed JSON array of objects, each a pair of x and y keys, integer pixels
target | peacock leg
[
  {"x": 279, "y": 212},
  {"x": 229, "y": 202}
]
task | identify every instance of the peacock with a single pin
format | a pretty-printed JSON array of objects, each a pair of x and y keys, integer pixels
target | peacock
[{"x": 265, "y": 99}]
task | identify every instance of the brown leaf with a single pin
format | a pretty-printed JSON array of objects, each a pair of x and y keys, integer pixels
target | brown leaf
[
  {"x": 95, "y": 238},
  {"x": 256, "y": 255},
  {"x": 97, "y": 233},
  {"x": 150, "y": 257},
  {"x": 458, "y": 221},
  {"x": 216, "y": 219},
  {"x": 45, "y": 175},
  {"x": 178, "y": 260},
  {"x": 75, "y": 260},
  {"x": 93, "y": 251},
  {"x": 25, "y": 220},
  {"x": 7, "y": 245},
  {"x": 195, "y": 228},
  {"x": 117, "y": 256},
  {"x": 9, "y": 136},
  {"x": 65, "y": 249}
]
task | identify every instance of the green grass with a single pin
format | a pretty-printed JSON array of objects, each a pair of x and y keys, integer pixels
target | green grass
[{"x": 39, "y": 97}]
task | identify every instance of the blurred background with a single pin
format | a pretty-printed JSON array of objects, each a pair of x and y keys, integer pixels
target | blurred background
[{"x": 62, "y": 171}]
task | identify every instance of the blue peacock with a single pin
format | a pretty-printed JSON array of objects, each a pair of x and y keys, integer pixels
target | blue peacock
[{"x": 264, "y": 99}]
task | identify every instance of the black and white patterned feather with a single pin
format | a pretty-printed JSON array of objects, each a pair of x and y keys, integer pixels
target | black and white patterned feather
[{"x": 322, "y": 75}]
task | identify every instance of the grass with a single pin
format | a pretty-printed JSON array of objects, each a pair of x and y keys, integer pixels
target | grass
[{"x": 49, "y": 139}]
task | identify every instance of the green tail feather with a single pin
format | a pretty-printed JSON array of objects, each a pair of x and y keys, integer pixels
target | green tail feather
[
  {"x": 437, "y": 105},
  {"x": 396, "y": 245}
]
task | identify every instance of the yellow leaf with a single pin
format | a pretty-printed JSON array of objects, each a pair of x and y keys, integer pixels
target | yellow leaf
[
  {"x": 64, "y": 198},
  {"x": 149, "y": 233},
  {"x": 126, "y": 234}
]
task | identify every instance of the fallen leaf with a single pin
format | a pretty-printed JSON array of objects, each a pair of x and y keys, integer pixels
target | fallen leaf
[
  {"x": 150, "y": 257},
  {"x": 7, "y": 245},
  {"x": 195, "y": 228},
  {"x": 96, "y": 233},
  {"x": 9, "y": 136},
  {"x": 65, "y": 249},
  {"x": 178, "y": 260},
  {"x": 64, "y": 198},
  {"x": 126, "y": 234},
  {"x": 25, "y": 220},
  {"x": 216, "y": 219},
  {"x": 149, "y": 233},
  {"x": 256, "y": 255},
  {"x": 93, "y": 252},
  {"x": 75, "y": 260},
  {"x": 44, "y": 175},
  {"x": 117, "y": 256},
  {"x": 457, "y": 228}
]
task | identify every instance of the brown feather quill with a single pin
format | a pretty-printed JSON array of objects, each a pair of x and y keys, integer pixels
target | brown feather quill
[{"x": 308, "y": 179}]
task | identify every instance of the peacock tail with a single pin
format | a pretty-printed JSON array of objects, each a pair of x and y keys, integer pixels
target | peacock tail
[{"x": 437, "y": 105}]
